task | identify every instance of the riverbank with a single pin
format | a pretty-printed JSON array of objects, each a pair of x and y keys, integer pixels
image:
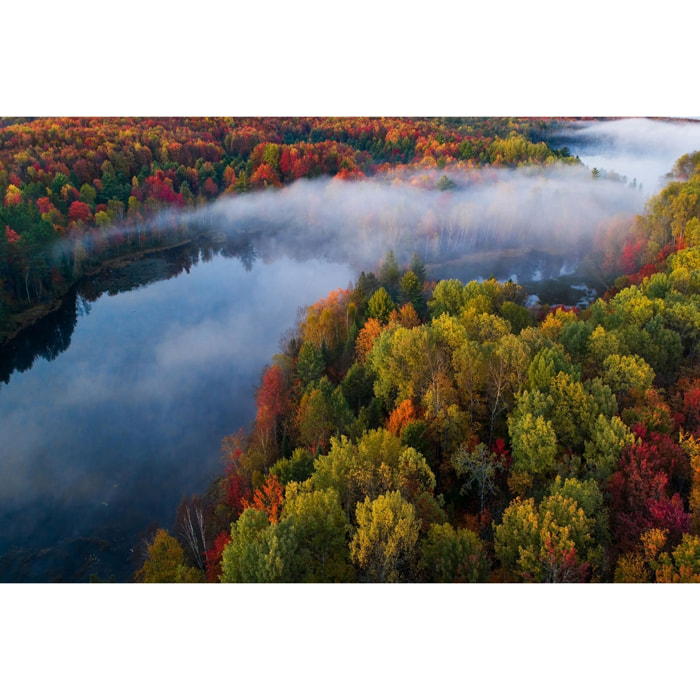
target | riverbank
[{"x": 16, "y": 323}]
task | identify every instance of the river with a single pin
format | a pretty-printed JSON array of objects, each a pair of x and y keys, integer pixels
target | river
[{"x": 100, "y": 444}]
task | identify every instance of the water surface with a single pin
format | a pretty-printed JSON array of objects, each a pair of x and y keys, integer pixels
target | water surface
[{"x": 105, "y": 440}]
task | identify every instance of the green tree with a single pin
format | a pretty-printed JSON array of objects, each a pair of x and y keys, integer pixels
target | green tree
[
  {"x": 380, "y": 305},
  {"x": 549, "y": 543},
  {"x": 411, "y": 291},
  {"x": 319, "y": 529},
  {"x": 310, "y": 364},
  {"x": 609, "y": 437},
  {"x": 250, "y": 556},
  {"x": 454, "y": 556},
  {"x": 534, "y": 444},
  {"x": 625, "y": 372}
]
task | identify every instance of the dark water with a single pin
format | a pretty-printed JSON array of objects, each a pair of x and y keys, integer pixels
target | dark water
[{"x": 128, "y": 397}]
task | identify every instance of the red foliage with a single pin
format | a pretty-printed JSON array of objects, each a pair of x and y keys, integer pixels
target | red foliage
[
  {"x": 44, "y": 205},
  {"x": 563, "y": 566},
  {"x": 79, "y": 211},
  {"x": 403, "y": 414},
  {"x": 213, "y": 557},
  {"x": 630, "y": 257},
  {"x": 236, "y": 490},
  {"x": 265, "y": 175},
  {"x": 271, "y": 400},
  {"x": 210, "y": 188},
  {"x": 12, "y": 236},
  {"x": 641, "y": 489},
  {"x": 160, "y": 188}
]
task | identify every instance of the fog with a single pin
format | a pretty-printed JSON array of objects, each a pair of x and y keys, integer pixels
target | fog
[
  {"x": 641, "y": 149},
  {"x": 555, "y": 208}
]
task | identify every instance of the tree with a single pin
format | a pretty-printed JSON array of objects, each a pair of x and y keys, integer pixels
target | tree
[
  {"x": 191, "y": 527},
  {"x": 384, "y": 545},
  {"x": 268, "y": 498},
  {"x": 625, "y": 372},
  {"x": 380, "y": 305},
  {"x": 534, "y": 444},
  {"x": 246, "y": 558},
  {"x": 214, "y": 555},
  {"x": 609, "y": 437},
  {"x": 298, "y": 467},
  {"x": 166, "y": 563},
  {"x": 454, "y": 556},
  {"x": 389, "y": 272},
  {"x": 366, "y": 337},
  {"x": 417, "y": 266},
  {"x": 411, "y": 291},
  {"x": 551, "y": 543},
  {"x": 403, "y": 414},
  {"x": 478, "y": 468},
  {"x": 685, "y": 566},
  {"x": 271, "y": 401},
  {"x": 310, "y": 364},
  {"x": 320, "y": 532},
  {"x": 641, "y": 494}
]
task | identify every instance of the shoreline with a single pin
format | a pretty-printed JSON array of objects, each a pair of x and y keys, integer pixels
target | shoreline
[{"x": 26, "y": 319}]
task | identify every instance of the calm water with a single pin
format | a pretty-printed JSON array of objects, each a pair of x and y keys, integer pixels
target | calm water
[{"x": 104, "y": 441}]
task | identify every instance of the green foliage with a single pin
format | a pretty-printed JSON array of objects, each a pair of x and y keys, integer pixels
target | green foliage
[
  {"x": 608, "y": 438},
  {"x": 448, "y": 297},
  {"x": 517, "y": 316},
  {"x": 625, "y": 372},
  {"x": 534, "y": 444},
  {"x": 377, "y": 462},
  {"x": 547, "y": 364},
  {"x": 549, "y": 543},
  {"x": 380, "y": 305},
  {"x": 454, "y": 556},
  {"x": 298, "y": 467},
  {"x": 310, "y": 364}
]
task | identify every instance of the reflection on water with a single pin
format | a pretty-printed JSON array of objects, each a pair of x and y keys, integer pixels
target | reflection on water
[{"x": 133, "y": 384}]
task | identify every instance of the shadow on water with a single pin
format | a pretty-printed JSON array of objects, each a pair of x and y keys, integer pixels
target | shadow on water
[{"x": 51, "y": 335}]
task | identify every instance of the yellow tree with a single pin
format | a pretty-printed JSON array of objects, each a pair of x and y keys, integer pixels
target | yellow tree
[{"x": 384, "y": 545}]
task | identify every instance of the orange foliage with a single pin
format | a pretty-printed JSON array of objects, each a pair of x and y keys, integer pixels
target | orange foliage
[
  {"x": 406, "y": 316},
  {"x": 366, "y": 337},
  {"x": 403, "y": 414},
  {"x": 268, "y": 498},
  {"x": 328, "y": 320}
]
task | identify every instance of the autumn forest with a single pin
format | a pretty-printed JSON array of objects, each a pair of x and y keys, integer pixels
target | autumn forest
[{"x": 416, "y": 425}]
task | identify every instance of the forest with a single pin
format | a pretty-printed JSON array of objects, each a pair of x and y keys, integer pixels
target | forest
[
  {"x": 410, "y": 429},
  {"x": 78, "y": 192},
  {"x": 415, "y": 430}
]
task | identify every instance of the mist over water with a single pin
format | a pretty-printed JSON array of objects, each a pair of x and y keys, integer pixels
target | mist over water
[
  {"x": 104, "y": 441},
  {"x": 638, "y": 149}
]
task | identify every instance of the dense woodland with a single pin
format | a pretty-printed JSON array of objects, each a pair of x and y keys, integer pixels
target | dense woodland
[
  {"x": 78, "y": 192},
  {"x": 414, "y": 430},
  {"x": 410, "y": 429}
]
